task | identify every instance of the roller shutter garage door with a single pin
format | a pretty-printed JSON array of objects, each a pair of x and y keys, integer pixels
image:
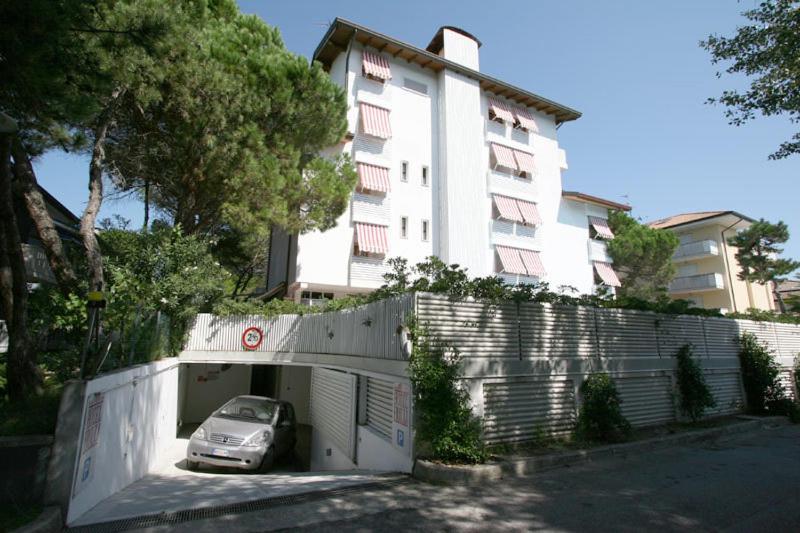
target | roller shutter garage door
[
  {"x": 333, "y": 407},
  {"x": 380, "y": 400},
  {"x": 646, "y": 400},
  {"x": 727, "y": 391}
]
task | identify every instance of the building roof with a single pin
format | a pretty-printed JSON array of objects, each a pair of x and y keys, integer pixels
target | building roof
[
  {"x": 688, "y": 218},
  {"x": 341, "y": 31},
  {"x": 596, "y": 200}
]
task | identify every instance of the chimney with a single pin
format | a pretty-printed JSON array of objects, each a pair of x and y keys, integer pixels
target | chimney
[{"x": 457, "y": 45}]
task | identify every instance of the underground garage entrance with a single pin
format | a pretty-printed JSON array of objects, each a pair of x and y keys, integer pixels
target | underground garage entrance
[{"x": 346, "y": 420}]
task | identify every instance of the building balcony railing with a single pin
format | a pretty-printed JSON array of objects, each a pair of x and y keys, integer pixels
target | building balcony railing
[
  {"x": 372, "y": 208},
  {"x": 367, "y": 271},
  {"x": 695, "y": 250},
  {"x": 510, "y": 185},
  {"x": 700, "y": 282},
  {"x": 598, "y": 251}
]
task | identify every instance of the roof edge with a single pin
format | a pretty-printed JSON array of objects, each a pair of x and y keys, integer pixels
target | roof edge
[
  {"x": 703, "y": 219},
  {"x": 588, "y": 198}
]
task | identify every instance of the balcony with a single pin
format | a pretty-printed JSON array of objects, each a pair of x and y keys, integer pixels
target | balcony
[
  {"x": 367, "y": 271},
  {"x": 598, "y": 251},
  {"x": 696, "y": 250},
  {"x": 697, "y": 283},
  {"x": 513, "y": 234},
  {"x": 507, "y": 184},
  {"x": 371, "y": 208}
]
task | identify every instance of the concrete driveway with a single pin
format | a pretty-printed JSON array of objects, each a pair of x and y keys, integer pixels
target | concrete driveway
[
  {"x": 172, "y": 487},
  {"x": 748, "y": 482}
]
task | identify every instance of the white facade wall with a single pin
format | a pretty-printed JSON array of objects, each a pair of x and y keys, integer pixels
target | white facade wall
[{"x": 448, "y": 131}]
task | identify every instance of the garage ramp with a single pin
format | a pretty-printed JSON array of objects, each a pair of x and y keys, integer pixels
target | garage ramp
[{"x": 175, "y": 494}]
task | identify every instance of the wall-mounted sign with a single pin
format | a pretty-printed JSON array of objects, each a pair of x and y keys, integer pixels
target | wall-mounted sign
[
  {"x": 91, "y": 437},
  {"x": 252, "y": 338},
  {"x": 401, "y": 423}
]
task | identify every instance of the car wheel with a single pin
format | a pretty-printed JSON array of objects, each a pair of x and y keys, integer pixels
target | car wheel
[
  {"x": 192, "y": 465},
  {"x": 267, "y": 460}
]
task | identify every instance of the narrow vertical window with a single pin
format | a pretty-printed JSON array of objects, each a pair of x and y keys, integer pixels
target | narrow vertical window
[
  {"x": 424, "y": 176},
  {"x": 425, "y": 230},
  {"x": 403, "y": 227},
  {"x": 404, "y": 171}
]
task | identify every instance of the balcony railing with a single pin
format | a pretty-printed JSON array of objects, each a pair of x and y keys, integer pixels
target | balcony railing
[
  {"x": 367, "y": 271},
  {"x": 700, "y": 282},
  {"x": 371, "y": 208},
  {"x": 696, "y": 249},
  {"x": 510, "y": 185},
  {"x": 598, "y": 251}
]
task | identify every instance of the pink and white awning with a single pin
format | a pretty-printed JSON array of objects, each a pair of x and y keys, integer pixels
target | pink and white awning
[
  {"x": 533, "y": 263},
  {"x": 525, "y": 162},
  {"x": 375, "y": 65},
  {"x": 504, "y": 156},
  {"x": 530, "y": 214},
  {"x": 519, "y": 261},
  {"x": 607, "y": 274},
  {"x": 375, "y": 121},
  {"x": 525, "y": 119},
  {"x": 373, "y": 177},
  {"x": 508, "y": 208},
  {"x": 372, "y": 238},
  {"x": 510, "y": 260},
  {"x": 501, "y": 110},
  {"x": 601, "y": 226}
]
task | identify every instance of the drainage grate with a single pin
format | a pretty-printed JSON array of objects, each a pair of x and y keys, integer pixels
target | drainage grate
[{"x": 177, "y": 517}]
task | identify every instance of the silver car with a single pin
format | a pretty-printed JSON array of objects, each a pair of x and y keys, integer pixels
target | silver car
[{"x": 248, "y": 432}]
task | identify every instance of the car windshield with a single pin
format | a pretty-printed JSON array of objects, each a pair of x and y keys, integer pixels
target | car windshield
[{"x": 248, "y": 409}]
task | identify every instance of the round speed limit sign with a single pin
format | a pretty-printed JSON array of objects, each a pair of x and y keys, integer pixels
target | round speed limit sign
[{"x": 252, "y": 337}]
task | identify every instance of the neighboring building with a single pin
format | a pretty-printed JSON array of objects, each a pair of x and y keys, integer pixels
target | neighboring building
[
  {"x": 707, "y": 268},
  {"x": 452, "y": 163},
  {"x": 789, "y": 289},
  {"x": 67, "y": 225}
]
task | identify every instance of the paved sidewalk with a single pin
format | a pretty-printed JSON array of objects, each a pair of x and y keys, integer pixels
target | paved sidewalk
[{"x": 748, "y": 482}]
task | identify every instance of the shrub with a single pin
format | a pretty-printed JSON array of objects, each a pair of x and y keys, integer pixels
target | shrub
[
  {"x": 695, "y": 396},
  {"x": 441, "y": 403},
  {"x": 760, "y": 376},
  {"x": 601, "y": 418}
]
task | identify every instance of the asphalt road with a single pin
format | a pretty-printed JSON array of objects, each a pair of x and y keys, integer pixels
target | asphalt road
[{"x": 747, "y": 482}]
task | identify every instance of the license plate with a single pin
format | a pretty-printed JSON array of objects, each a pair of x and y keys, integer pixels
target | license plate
[{"x": 221, "y": 453}]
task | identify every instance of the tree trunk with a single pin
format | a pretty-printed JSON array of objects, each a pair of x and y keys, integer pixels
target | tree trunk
[
  {"x": 45, "y": 228},
  {"x": 146, "y": 204},
  {"x": 94, "y": 258},
  {"x": 22, "y": 374}
]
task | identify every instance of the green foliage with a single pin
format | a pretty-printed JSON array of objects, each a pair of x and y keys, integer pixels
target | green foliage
[
  {"x": 161, "y": 273},
  {"x": 760, "y": 376},
  {"x": 600, "y": 417},
  {"x": 35, "y": 415},
  {"x": 695, "y": 396},
  {"x": 442, "y": 405},
  {"x": 766, "y": 316},
  {"x": 643, "y": 257},
  {"x": 757, "y": 252},
  {"x": 766, "y": 52}
]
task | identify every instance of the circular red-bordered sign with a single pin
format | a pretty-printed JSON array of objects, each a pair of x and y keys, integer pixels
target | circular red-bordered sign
[{"x": 252, "y": 337}]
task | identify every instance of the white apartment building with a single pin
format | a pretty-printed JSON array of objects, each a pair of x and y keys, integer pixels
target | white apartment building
[{"x": 451, "y": 163}]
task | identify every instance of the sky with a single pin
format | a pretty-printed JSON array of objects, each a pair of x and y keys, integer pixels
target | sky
[{"x": 634, "y": 69}]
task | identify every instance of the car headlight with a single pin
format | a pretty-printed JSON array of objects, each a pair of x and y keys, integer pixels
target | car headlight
[
  {"x": 199, "y": 434},
  {"x": 259, "y": 439}
]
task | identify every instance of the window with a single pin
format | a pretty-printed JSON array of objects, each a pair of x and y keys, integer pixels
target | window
[
  {"x": 315, "y": 298},
  {"x": 425, "y": 230},
  {"x": 404, "y": 171},
  {"x": 424, "y": 176},
  {"x": 403, "y": 227}
]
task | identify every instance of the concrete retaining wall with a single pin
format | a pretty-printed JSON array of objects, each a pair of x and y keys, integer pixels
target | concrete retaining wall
[{"x": 23, "y": 468}]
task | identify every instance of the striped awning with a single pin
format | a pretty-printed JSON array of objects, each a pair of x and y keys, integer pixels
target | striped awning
[
  {"x": 501, "y": 110},
  {"x": 530, "y": 213},
  {"x": 511, "y": 260},
  {"x": 525, "y": 119},
  {"x": 372, "y": 238},
  {"x": 376, "y": 66},
  {"x": 375, "y": 121},
  {"x": 504, "y": 156},
  {"x": 601, "y": 226},
  {"x": 607, "y": 274},
  {"x": 525, "y": 161},
  {"x": 533, "y": 263},
  {"x": 373, "y": 177},
  {"x": 508, "y": 208}
]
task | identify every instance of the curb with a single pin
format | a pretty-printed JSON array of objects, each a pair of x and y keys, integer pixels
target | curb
[
  {"x": 48, "y": 521},
  {"x": 438, "y": 473}
]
